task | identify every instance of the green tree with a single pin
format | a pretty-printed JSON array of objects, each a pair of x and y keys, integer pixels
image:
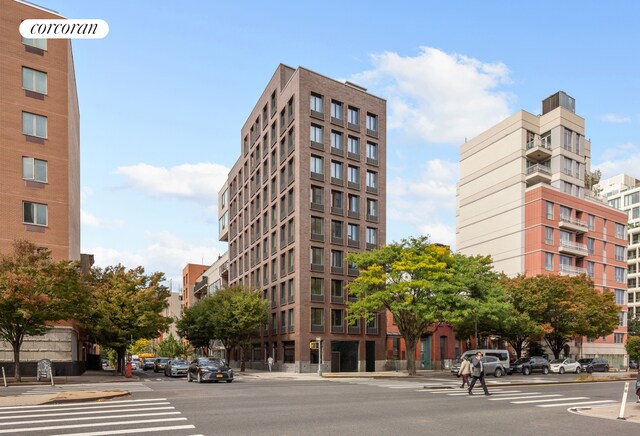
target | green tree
[
  {"x": 196, "y": 324},
  {"x": 171, "y": 347},
  {"x": 238, "y": 314},
  {"x": 142, "y": 345},
  {"x": 126, "y": 305},
  {"x": 420, "y": 284},
  {"x": 35, "y": 291},
  {"x": 633, "y": 347},
  {"x": 633, "y": 326},
  {"x": 566, "y": 307}
]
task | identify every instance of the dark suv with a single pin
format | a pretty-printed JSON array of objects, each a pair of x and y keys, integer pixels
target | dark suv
[
  {"x": 594, "y": 364},
  {"x": 527, "y": 365}
]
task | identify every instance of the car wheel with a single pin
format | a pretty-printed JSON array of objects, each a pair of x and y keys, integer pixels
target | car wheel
[
  {"x": 189, "y": 377},
  {"x": 561, "y": 370},
  {"x": 526, "y": 370},
  {"x": 199, "y": 378},
  {"x": 498, "y": 372},
  {"x": 589, "y": 369},
  {"x": 578, "y": 370},
  {"x": 229, "y": 381},
  {"x": 545, "y": 370},
  {"x": 606, "y": 368}
]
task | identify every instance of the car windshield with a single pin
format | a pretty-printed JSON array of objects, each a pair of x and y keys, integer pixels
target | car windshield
[
  {"x": 163, "y": 360},
  {"x": 520, "y": 361},
  {"x": 557, "y": 361},
  {"x": 179, "y": 362},
  {"x": 585, "y": 360}
]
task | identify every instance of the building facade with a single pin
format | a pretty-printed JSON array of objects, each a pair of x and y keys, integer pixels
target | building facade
[
  {"x": 213, "y": 278},
  {"x": 190, "y": 274},
  {"x": 522, "y": 198},
  {"x": 308, "y": 188},
  {"x": 623, "y": 192},
  {"x": 40, "y": 165}
]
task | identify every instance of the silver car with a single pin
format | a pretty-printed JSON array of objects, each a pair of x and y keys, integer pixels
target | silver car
[
  {"x": 176, "y": 368},
  {"x": 492, "y": 365}
]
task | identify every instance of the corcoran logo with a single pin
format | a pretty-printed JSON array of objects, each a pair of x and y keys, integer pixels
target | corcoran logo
[{"x": 64, "y": 29}]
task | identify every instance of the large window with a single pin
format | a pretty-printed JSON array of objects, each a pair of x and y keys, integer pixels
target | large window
[
  {"x": 372, "y": 236},
  {"x": 337, "y": 289},
  {"x": 354, "y": 116},
  {"x": 317, "y": 287},
  {"x": 34, "y": 42},
  {"x": 317, "y": 226},
  {"x": 354, "y": 203},
  {"x": 34, "y": 80},
  {"x": 336, "y": 140},
  {"x": 620, "y": 252},
  {"x": 336, "y": 110},
  {"x": 549, "y": 235},
  {"x": 317, "y": 164},
  {"x": 34, "y": 169},
  {"x": 337, "y": 229},
  {"x": 337, "y": 170},
  {"x": 549, "y": 209},
  {"x": 317, "y": 256},
  {"x": 337, "y": 258},
  {"x": 354, "y": 175},
  {"x": 619, "y": 275},
  {"x": 35, "y": 213},
  {"x": 353, "y": 231},
  {"x": 372, "y": 179},
  {"x": 317, "y": 196},
  {"x": 353, "y": 145},
  {"x": 372, "y": 151},
  {"x": 620, "y": 231},
  {"x": 317, "y": 318},
  {"x": 548, "y": 261},
  {"x": 316, "y": 133},
  {"x": 372, "y": 208},
  {"x": 34, "y": 125},
  {"x": 372, "y": 122},
  {"x": 316, "y": 103},
  {"x": 337, "y": 199}
]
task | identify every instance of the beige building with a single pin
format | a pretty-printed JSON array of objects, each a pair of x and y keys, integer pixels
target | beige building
[
  {"x": 308, "y": 188},
  {"x": 40, "y": 164},
  {"x": 522, "y": 199},
  {"x": 213, "y": 278}
]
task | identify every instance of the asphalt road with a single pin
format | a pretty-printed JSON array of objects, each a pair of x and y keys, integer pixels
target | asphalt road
[{"x": 254, "y": 406}]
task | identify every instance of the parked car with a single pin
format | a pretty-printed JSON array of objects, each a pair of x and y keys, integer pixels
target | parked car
[
  {"x": 148, "y": 363},
  {"x": 565, "y": 365},
  {"x": 591, "y": 364},
  {"x": 527, "y": 365},
  {"x": 492, "y": 365},
  {"x": 209, "y": 369},
  {"x": 134, "y": 365},
  {"x": 159, "y": 363},
  {"x": 633, "y": 364},
  {"x": 176, "y": 367}
]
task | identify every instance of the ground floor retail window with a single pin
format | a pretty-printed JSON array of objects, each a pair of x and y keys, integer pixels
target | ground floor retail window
[{"x": 289, "y": 352}]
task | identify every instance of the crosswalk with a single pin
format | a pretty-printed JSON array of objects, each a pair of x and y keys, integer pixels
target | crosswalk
[
  {"x": 431, "y": 383},
  {"x": 537, "y": 399},
  {"x": 94, "y": 419},
  {"x": 126, "y": 386}
]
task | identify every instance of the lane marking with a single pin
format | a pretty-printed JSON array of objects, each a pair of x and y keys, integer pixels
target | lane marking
[
  {"x": 79, "y": 404},
  {"x": 88, "y": 412},
  {"x": 134, "y": 430},
  {"x": 549, "y": 400},
  {"x": 520, "y": 397},
  {"x": 86, "y": 418},
  {"x": 95, "y": 424},
  {"x": 576, "y": 404}
]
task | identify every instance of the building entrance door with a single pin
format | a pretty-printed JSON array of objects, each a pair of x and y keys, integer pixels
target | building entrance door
[
  {"x": 370, "y": 356},
  {"x": 425, "y": 352}
]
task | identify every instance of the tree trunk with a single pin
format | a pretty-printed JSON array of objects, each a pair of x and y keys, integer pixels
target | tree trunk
[
  {"x": 120, "y": 360},
  {"x": 228, "y": 356},
  {"x": 243, "y": 359},
  {"x": 411, "y": 356},
  {"x": 16, "y": 359}
]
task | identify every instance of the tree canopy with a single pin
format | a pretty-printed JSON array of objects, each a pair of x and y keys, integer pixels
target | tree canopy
[
  {"x": 633, "y": 347},
  {"x": 35, "y": 291},
  {"x": 126, "y": 305},
  {"x": 171, "y": 347}
]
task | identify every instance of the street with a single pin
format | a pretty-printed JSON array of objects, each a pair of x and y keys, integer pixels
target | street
[{"x": 354, "y": 406}]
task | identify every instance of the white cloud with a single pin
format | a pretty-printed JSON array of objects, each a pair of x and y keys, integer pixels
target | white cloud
[
  {"x": 88, "y": 219},
  {"x": 165, "y": 252},
  {"x": 439, "y": 97},
  {"x": 615, "y": 118},
  {"x": 427, "y": 202},
  {"x": 624, "y": 158},
  {"x": 198, "y": 182},
  {"x": 86, "y": 193}
]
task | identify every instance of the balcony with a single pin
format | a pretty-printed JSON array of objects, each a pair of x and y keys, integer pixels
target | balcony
[
  {"x": 573, "y": 224},
  {"x": 573, "y": 248},
  {"x": 200, "y": 288},
  {"x": 570, "y": 270},
  {"x": 224, "y": 270},
  {"x": 538, "y": 174}
]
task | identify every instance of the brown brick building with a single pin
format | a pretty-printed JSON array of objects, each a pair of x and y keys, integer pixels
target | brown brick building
[
  {"x": 40, "y": 162},
  {"x": 309, "y": 187}
]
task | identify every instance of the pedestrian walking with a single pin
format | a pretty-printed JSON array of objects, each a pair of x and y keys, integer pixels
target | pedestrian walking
[
  {"x": 465, "y": 372},
  {"x": 477, "y": 373},
  {"x": 270, "y": 363}
]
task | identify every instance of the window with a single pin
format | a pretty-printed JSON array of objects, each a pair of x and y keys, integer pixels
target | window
[
  {"x": 354, "y": 116},
  {"x": 590, "y": 268},
  {"x": 291, "y": 324},
  {"x": 618, "y": 338},
  {"x": 317, "y": 164},
  {"x": 549, "y": 210},
  {"x": 353, "y": 145},
  {"x": 622, "y": 319},
  {"x": 336, "y": 140},
  {"x": 317, "y": 226},
  {"x": 620, "y": 252},
  {"x": 290, "y": 260},
  {"x": 620, "y": 231},
  {"x": 549, "y": 235},
  {"x": 372, "y": 180},
  {"x": 372, "y": 151},
  {"x": 337, "y": 229},
  {"x": 316, "y": 103},
  {"x": 337, "y": 199},
  {"x": 35, "y": 213},
  {"x": 591, "y": 245},
  {"x": 336, "y": 110},
  {"x": 632, "y": 199},
  {"x": 316, "y": 133},
  {"x": 354, "y": 175},
  {"x": 354, "y": 203},
  {"x": 34, "y": 169},
  {"x": 337, "y": 289},
  {"x": 565, "y": 213},
  {"x": 290, "y": 291},
  {"x": 337, "y": 258},
  {"x": 34, "y": 125},
  {"x": 353, "y": 231},
  {"x": 620, "y": 294},
  {"x": 317, "y": 318},
  {"x": 34, "y": 42},
  {"x": 317, "y": 256},
  {"x": 548, "y": 261},
  {"x": 372, "y": 122},
  {"x": 337, "y": 170},
  {"x": 619, "y": 275},
  {"x": 337, "y": 319},
  {"x": 317, "y": 196},
  {"x": 591, "y": 222},
  {"x": 567, "y": 139},
  {"x": 33, "y": 80},
  {"x": 615, "y": 203},
  {"x": 372, "y": 208},
  {"x": 372, "y": 236}
]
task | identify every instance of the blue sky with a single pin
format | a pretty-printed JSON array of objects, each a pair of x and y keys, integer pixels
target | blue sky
[{"x": 164, "y": 95}]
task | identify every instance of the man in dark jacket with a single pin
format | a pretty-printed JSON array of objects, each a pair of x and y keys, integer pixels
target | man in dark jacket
[{"x": 477, "y": 373}]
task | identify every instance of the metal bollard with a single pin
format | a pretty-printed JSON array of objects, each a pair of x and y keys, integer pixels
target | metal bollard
[
  {"x": 624, "y": 401},
  {"x": 4, "y": 377},
  {"x": 51, "y": 376}
]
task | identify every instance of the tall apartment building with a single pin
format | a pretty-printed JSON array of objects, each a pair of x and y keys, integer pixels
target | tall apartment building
[
  {"x": 190, "y": 274},
  {"x": 623, "y": 192},
  {"x": 522, "y": 199},
  {"x": 309, "y": 187},
  {"x": 40, "y": 163}
]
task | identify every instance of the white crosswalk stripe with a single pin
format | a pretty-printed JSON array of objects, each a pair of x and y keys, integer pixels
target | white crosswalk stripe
[
  {"x": 105, "y": 418},
  {"x": 127, "y": 386}
]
